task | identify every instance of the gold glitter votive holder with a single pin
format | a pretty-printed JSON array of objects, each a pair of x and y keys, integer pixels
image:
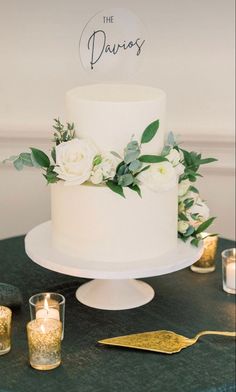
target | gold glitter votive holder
[
  {"x": 44, "y": 341},
  {"x": 5, "y": 329},
  {"x": 207, "y": 261}
]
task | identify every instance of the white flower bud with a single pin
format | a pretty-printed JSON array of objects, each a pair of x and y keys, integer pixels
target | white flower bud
[
  {"x": 183, "y": 187},
  {"x": 183, "y": 226}
]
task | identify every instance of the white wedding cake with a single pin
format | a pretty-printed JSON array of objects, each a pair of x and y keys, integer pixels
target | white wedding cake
[{"x": 93, "y": 223}]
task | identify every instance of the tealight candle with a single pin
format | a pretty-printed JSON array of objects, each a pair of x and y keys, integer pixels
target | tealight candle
[
  {"x": 44, "y": 340},
  {"x": 46, "y": 311},
  {"x": 229, "y": 270},
  {"x": 230, "y": 276},
  {"x": 5, "y": 329},
  {"x": 48, "y": 305}
]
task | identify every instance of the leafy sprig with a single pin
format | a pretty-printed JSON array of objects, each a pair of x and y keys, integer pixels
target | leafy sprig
[
  {"x": 195, "y": 234},
  {"x": 133, "y": 163},
  {"x": 36, "y": 158},
  {"x": 192, "y": 162},
  {"x": 62, "y": 133}
]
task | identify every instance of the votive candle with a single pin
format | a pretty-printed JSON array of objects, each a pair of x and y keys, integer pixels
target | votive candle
[
  {"x": 44, "y": 340},
  {"x": 207, "y": 261},
  {"x": 48, "y": 305},
  {"x": 5, "y": 329},
  {"x": 229, "y": 270}
]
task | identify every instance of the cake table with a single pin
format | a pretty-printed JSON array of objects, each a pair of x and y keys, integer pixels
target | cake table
[{"x": 114, "y": 286}]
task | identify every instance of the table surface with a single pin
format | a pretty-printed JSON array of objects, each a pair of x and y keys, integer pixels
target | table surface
[{"x": 185, "y": 302}]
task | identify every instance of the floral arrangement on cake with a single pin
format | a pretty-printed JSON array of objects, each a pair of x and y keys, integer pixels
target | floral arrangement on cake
[{"x": 77, "y": 161}]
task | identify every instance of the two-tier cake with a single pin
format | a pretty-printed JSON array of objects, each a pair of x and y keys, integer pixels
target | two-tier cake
[{"x": 89, "y": 221}]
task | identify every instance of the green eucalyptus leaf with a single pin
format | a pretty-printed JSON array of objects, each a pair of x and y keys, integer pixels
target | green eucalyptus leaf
[
  {"x": 136, "y": 188},
  {"x": 171, "y": 139},
  {"x": 189, "y": 232},
  {"x": 126, "y": 180},
  {"x": 18, "y": 164},
  {"x": 150, "y": 132},
  {"x": 135, "y": 166},
  {"x": 152, "y": 159},
  {"x": 40, "y": 157},
  {"x": 10, "y": 159},
  {"x": 121, "y": 169},
  {"x": 26, "y": 159},
  {"x": 204, "y": 225},
  {"x": 133, "y": 146},
  {"x": 116, "y": 154},
  {"x": 143, "y": 169},
  {"x": 115, "y": 188},
  {"x": 131, "y": 156},
  {"x": 166, "y": 150}
]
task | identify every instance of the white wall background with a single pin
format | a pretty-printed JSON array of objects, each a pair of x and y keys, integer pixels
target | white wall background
[{"x": 191, "y": 57}]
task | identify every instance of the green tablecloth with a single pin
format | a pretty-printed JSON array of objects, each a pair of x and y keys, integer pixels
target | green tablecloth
[{"x": 185, "y": 302}]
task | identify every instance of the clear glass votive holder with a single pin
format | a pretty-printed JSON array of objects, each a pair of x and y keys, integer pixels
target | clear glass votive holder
[
  {"x": 229, "y": 270},
  {"x": 5, "y": 329},
  {"x": 206, "y": 263},
  {"x": 48, "y": 305},
  {"x": 44, "y": 341}
]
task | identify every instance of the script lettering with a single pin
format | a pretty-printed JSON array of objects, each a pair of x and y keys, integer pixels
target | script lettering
[{"x": 98, "y": 45}]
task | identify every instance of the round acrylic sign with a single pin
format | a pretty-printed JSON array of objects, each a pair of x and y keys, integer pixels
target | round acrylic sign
[{"x": 112, "y": 44}]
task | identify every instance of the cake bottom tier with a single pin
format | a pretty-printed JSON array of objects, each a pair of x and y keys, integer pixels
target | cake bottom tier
[{"x": 93, "y": 223}]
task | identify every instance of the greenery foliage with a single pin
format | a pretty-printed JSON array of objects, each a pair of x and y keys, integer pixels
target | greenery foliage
[{"x": 130, "y": 166}]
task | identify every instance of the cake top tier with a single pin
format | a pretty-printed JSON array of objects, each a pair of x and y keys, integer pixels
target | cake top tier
[
  {"x": 110, "y": 114},
  {"x": 116, "y": 93}
]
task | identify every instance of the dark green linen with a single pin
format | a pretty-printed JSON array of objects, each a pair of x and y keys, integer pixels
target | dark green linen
[{"x": 185, "y": 302}]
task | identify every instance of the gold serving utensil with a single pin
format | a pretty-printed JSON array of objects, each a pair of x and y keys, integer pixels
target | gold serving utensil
[{"x": 166, "y": 342}]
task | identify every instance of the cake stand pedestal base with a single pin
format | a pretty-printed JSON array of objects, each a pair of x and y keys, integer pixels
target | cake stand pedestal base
[
  {"x": 115, "y": 294},
  {"x": 115, "y": 286}
]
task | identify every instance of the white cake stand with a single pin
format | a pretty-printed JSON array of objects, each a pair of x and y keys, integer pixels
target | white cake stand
[{"x": 114, "y": 287}]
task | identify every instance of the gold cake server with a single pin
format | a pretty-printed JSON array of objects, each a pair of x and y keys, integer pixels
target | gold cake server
[{"x": 166, "y": 342}]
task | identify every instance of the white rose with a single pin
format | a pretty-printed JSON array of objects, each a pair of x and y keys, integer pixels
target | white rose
[
  {"x": 183, "y": 187},
  {"x": 159, "y": 177},
  {"x": 74, "y": 160},
  {"x": 183, "y": 226},
  {"x": 173, "y": 157},
  {"x": 105, "y": 169}
]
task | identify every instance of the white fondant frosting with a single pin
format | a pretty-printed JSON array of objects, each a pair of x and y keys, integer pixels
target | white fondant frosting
[
  {"x": 111, "y": 114},
  {"x": 94, "y": 223}
]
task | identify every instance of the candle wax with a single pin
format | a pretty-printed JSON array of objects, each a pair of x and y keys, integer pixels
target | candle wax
[
  {"x": 230, "y": 275},
  {"x": 48, "y": 313}
]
